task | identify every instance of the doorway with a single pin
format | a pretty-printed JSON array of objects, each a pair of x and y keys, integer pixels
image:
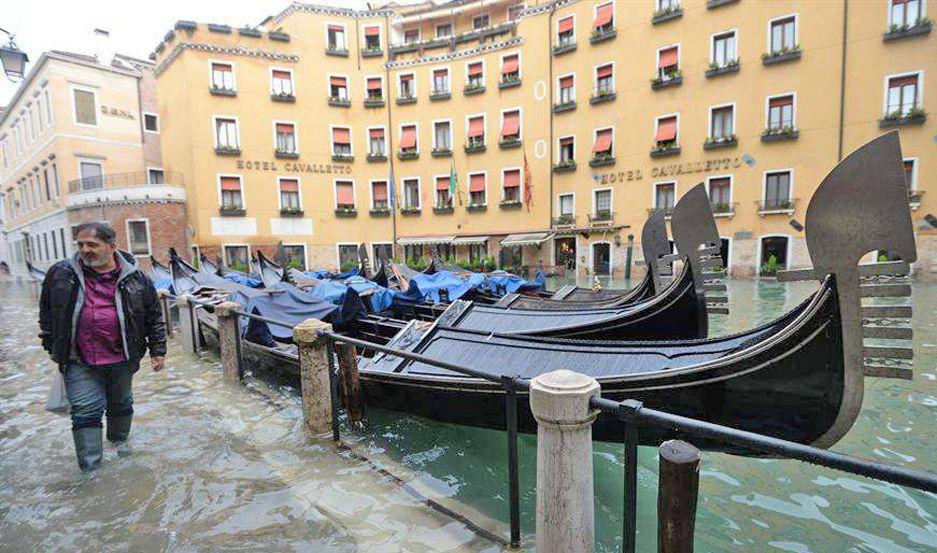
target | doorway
[
  {"x": 564, "y": 252},
  {"x": 773, "y": 255},
  {"x": 602, "y": 259}
]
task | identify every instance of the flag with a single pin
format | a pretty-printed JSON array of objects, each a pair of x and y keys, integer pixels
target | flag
[
  {"x": 528, "y": 183},
  {"x": 391, "y": 195},
  {"x": 453, "y": 184}
]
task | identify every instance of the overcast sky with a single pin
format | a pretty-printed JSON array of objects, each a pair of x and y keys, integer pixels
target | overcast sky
[{"x": 136, "y": 27}]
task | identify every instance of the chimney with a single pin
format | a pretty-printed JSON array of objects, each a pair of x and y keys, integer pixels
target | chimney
[{"x": 102, "y": 47}]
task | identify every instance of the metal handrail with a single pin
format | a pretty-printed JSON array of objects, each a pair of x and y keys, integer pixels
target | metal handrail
[{"x": 115, "y": 180}]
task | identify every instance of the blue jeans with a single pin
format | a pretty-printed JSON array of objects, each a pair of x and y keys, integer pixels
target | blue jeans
[{"x": 91, "y": 390}]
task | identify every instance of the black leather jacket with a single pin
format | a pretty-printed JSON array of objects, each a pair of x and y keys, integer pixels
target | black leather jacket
[{"x": 141, "y": 319}]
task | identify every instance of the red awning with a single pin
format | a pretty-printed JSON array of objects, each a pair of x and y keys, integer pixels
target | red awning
[
  {"x": 278, "y": 74},
  {"x": 782, "y": 101},
  {"x": 666, "y": 129},
  {"x": 566, "y": 141},
  {"x": 224, "y": 67},
  {"x": 406, "y": 78},
  {"x": 566, "y": 24},
  {"x": 289, "y": 185},
  {"x": 336, "y": 28},
  {"x": 477, "y": 183},
  {"x": 372, "y": 31},
  {"x": 344, "y": 193},
  {"x": 603, "y": 15},
  {"x": 442, "y": 183},
  {"x": 476, "y": 127},
  {"x": 230, "y": 183},
  {"x": 511, "y": 127},
  {"x": 509, "y": 65},
  {"x": 566, "y": 82},
  {"x": 341, "y": 136},
  {"x": 604, "y": 71},
  {"x": 603, "y": 141},
  {"x": 475, "y": 68},
  {"x": 380, "y": 191},
  {"x": 512, "y": 178},
  {"x": 376, "y": 133},
  {"x": 668, "y": 58},
  {"x": 902, "y": 81},
  {"x": 337, "y": 81},
  {"x": 374, "y": 84},
  {"x": 284, "y": 128},
  {"x": 408, "y": 137}
]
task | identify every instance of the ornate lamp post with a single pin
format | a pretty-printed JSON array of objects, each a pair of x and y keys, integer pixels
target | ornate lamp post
[{"x": 13, "y": 59}]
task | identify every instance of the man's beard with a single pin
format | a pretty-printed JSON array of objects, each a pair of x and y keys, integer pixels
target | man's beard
[{"x": 96, "y": 261}]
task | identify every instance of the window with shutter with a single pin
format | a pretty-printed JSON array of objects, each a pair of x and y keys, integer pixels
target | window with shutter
[
  {"x": 281, "y": 82},
  {"x": 783, "y": 35},
  {"x": 722, "y": 123},
  {"x": 903, "y": 95},
  {"x": 85, "y": 113},
  {"x": 231, "y": 193},
  {"x": 222, "y": 76},
  {"x": 379, "y": 195},
  {"x": 666, "y": 131},
  {"x": 344, "y": 195},
  {"x": 376, "y": 138},
  {"x": 668, "y": 63},
  {"x": 477, "y": 189},
  {"x": 341, "y": 141},
  {"x": 286, "y": 138},
  {"x": 781, "y": 113}
]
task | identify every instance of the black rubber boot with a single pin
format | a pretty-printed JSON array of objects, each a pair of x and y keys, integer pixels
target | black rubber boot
[
  {"x": 118, "y": 429},
  {"x": 88, "y": 447}
]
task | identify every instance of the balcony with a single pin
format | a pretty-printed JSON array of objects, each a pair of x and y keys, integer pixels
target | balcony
[
  {"x": 564, "y": 221},
  {"x": 668, "y": 211},
  {"x": 717, "y": 143},
  {"x": 227, "y": 150},
  {"x": 920, "y": 27},
  {"x": 674, "y": 78},
  {"x": 602, "y": 34},
  {"x": 408, "y": 154},
  {"x": 122, "y": 180},
  {"x": 406, "y": 99},
  {"x": 231, "y": 211},
  {"x": 510, "y": 204},
  {"x": 914, "y": 198},
  {"x": 285, "y": 154},
  {"x": 409, "y": 210},
  {"x": 603, "y": 95},
  {"x": 716, "y": 70},
  {"x": 443, "y": 209},
  {"x": 218, "y": 91},
  {"x": 374, "y": 102},
  {"x": 915, "y": 116},
  {"x": 377, "y": 157},
  {"x": 372, "y": 52},
  {"x": 777, "y": 206},
  {"x": 291, "y": 212},
  {"x": 560, "y": 107},
  {"x": 723, "y": 209},
  {"x": 441, "y": 152},
  {"x": 475, "y": 146},
  {"x": 339, "y": 102},
  {"x": 712, "y": 4},
  {"x": 779, "y": 134},
  {"x": 781, "y": 56},
  {"x": 124, "y": 188},
  {"x": 346, "y": 211},
  {"x": 603, "y": 217},
  {"x": 283, "y": 97},
  {"x": 664, "y": 149},
  {"x": 380, "y": 211},
  {"x": 509, "y": 81},
  {"x": 564, "y": 47},
  {"x": 451, "y": 42},
  {"x": 666, "y": 14},
  {"x": 343, "y": 158},
  {"x": 508, "y": 142},
  {"x": 334, "y": 50},
  {"x": 602, "y": 159},
  {"x": 564, "y": 166},
  {"x": 473, "y": 88},
  {"x": 437, "y": 95}
]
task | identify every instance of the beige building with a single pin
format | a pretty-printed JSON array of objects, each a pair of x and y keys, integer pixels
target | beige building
[
  {"x": 564, "y": 124},
  {"x": 80, "y": 142}
]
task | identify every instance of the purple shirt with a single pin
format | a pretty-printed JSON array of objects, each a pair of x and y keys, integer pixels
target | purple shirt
[{"x": 98, "y": 336}]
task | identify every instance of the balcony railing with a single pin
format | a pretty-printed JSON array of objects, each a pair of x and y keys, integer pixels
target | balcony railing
[
  {"x": 602, "y": 216},
  {"x": 120, "y": 180},
  {"x": 724, "y": 209},
  {"x": 777, "y": 205},
  {"x": 564, "y": 221},
  {"x": 668, "y": 211}
]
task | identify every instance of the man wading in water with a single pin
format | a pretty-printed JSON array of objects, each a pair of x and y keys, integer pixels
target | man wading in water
[{"x": 98, "y": 314}]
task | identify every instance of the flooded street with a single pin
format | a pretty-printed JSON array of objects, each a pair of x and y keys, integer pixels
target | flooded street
[{"x": 219, "y": 468}]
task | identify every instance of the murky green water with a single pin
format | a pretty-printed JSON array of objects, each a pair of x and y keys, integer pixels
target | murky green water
[{"x": 221, "y": 468}]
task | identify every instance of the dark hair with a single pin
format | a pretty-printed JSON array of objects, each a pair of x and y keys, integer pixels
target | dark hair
[{"x": 101, "y": 231}]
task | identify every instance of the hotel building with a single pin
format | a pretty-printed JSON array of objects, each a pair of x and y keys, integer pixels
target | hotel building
[
  {"x": 80, "y": 142},
  {"x": 538, "y": 133}
]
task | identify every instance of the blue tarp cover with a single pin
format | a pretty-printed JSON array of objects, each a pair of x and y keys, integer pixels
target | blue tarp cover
[
  {"x": 328, "y": 275},
  {"x": 243, "y": 280},
  {"x": 163, "y": 284},
  {"x": 499, "y": 283},
  {"x": 430, "y": 286},
  {"x": 333, "y": 291},
  {"x": 291, "y": 306}
]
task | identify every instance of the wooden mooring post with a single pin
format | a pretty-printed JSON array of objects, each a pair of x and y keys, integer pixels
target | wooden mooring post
[
  {"x": 188, "y": 324},
  {"x": 349, "y": 385},
  {"x": 163, "y": 296},
  {"x": 677, "y": 496},
  {"x": 314, "y": 374},
  {"x": 228, "y": 340}
]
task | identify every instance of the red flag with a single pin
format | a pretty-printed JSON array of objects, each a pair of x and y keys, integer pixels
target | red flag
[{"x": 528, "y": 185}]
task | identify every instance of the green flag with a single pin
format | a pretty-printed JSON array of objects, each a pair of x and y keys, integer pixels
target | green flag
[{"x": 453, "y": 183}]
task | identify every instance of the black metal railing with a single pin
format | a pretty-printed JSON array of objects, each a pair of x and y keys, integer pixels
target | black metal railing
[
  {"x": 118, "y": 180},
  {"x": 632, "y": 414}
]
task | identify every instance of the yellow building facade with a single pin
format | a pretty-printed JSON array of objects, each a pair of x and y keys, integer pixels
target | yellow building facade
[{"x": 538, "y": 133}]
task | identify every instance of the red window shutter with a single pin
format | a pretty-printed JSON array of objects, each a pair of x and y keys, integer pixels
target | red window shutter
[
  {"x": 376, "y": 133},
  {"x": 566, "y": 141},
  {"x": 668, "y": 58},
  {"x": 604, "y": 71},
  {"x": 603, "y": 15},
  {"x": 442, "y": 183},
  {"x": 341, "y": 136},
  {"x": 666, "y": 129},
  {"x": 223, "y": 67},
  {"x": 476, "y": 127},
  {"x": 284, "y": 128},
  {"x": 277, "y": 74},
  {"x": 902, "y": 81},
  {"x": 603, "y": 141},
  {"x": 509, "y": 65},
  {"x": 566, "y": 82},
  {"x": 289, "y": 185},
  {"x": 337, "y": 81},
  {"x": 344, "y": 193},
  {"x": 512, "y": 179},
  {"x": 406, "y": 78},
  {"x": 230, "y": 183},
  {"x": 566, "y": 24},
  {"x": 372, "y": 31},
  {"x": 780, "y": 102},
  {"x": 380, "y": 191},
  {"x": 512, "y": 123},
  {"x": 475, "y": 68},
  {"x": 440, "y": 72},
  {"x": 336, "y": 28},
  {"x": 477, "y": 183},
  {"x": 374, "y": 84},
  {"x": 408, "y": 137}
]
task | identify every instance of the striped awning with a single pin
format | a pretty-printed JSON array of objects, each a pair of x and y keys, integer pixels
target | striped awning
[
  {"x": 526, "y": 239},
  {"x": 468, "y": 240},
  {"x": 417, "y": 240}
]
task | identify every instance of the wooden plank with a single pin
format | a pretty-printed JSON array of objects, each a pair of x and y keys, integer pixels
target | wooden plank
[
  {"x": 879, "y": 371},
  {"x": 886, "y": 311},
  {"x": 888, "y": 332},
  {"x": 887, "y": 352},
  {"x": 901, "y": 290}
]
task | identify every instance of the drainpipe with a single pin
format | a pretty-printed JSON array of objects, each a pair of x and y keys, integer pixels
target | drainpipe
[
  {"x": 550, "y": 108},
  {"x": 842, "y": 80},
  {"x": 389, "y": 141}
]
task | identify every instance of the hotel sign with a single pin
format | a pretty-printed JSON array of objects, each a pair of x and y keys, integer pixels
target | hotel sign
[
  {"x": 672, "y": 170},
  {"x": 117, "y": 112},
  {"x": 294, "y": 167}
]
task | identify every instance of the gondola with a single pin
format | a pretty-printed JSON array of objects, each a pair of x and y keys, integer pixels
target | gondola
[
  {"x": 158, "y": 271},
  {"x": 799, "y": 377},
  {"x": 35, "y": 274},
  {"x": 270, "y": 272},
  {"x": 209, "y": 265}
]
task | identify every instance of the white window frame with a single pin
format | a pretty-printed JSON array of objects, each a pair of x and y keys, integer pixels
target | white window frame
[
  {"x": 476, "y": 16},
  {"x": 351, "y": 139},
  {"x": 366, "y": 91},
  {"x": 432, "y": 77},
  {"x": 403, "y": 191},
  {"x": 484, "y": 69},
  {"x": 286, "y": 70},
  {"x": 559, "y": 140},
  {"x": 219, "y": 176},
  {"x": 764, "y": 184},
  {"x": 559, "y": 88},
  {"x": 354, "y": 192},
  {"x": 595, "y": 75},
  {"x": 611, "y": 258},
  {"x": 922, "y": 13},
  {"x": 234, "y": 76},
  {"x": 48, "y": 96},
  {"x": 419, "y": 35},
  {"x": 793, "y": 95},
  {"x": 153, "y": 168},
  {"x": 438, "y": 25},
  {"x": 676, "y": 194},
  {"x": 920, "y": 88},
  {"x": 224, "y": 252},
  {"x": 143, "y": 120},
  {"x": 338, "y": 249},
  {"x": 295, "y": 132},
  {"x": 611, "y": 203},
  {"x": 595, "y": 136},
  {"x": 709, "y": 118},
  {"x": 435, "y": 191},
  {"x": 787, "y": 255},
  {"x": 328, "y": 85},
  {"x": 520, "y": 121},
  {"x": 520, "y": 187},
  {"x": 771, "y": 22},
  {"x": 595, "y": 12},
  {"x": 416, "y": 89},
  {"x": 94, "y": 98},
  {"x": 237, "y": 129},
  {"x": 305, "y": 251},
  {"x": 912, "y": 186},
  {"x": 731, "y": 178},
  {"x": 712, "y": 44},
  {"x": 371, "y": 191},
  {"x": 451, "y": 134},
  {"x": 415, "y": 125},
  {"x": 679, "y": 57},
  {"x": 367, "y": 136},
  {"x": 559, "y": 203},
  {"x": 468, "y": 119},
  {"x": 299, "y": 191},
  {"x": 520, "y": 64},
  {"x": 556, "y": 27},
  {"x": 344, "y": 27},
  {"x": 93, "y": 161},
  {"x": 380, "y": 34},
  {"x": 149, "y": 243},
  {"x": 468, "y": 184},
  {"x": 657, "y": 126}
]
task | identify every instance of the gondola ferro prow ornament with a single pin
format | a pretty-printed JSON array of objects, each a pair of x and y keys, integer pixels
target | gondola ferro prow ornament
[
  {"x": 862, "y": 207},
  {"x": 654, "y": 245}
]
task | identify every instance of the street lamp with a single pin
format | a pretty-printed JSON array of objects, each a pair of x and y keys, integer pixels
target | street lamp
[{"x": 13, "y": 59}]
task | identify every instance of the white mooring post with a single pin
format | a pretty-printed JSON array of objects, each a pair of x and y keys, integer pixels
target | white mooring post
[
  {"x": 559, "y": 401},
  {"x": 188, "y": 324},
  {"x": 314, "y": 374},
  {"x": 227, "y": 340}
]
